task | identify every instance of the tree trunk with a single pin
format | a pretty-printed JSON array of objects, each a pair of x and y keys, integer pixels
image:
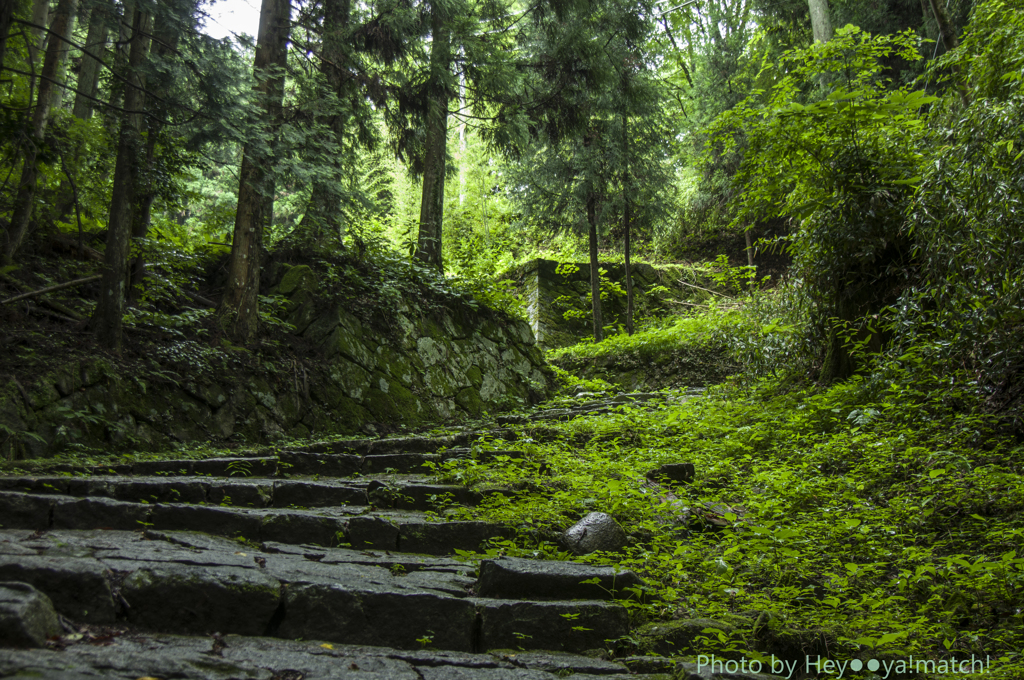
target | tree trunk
[
  {"x": 946, "y": 30},
  {"x": 142, "y": 215},
  {"x": 595, "y": 268},
  {"x": 750, "y": 247},
  {"x": 107, "y": 320},
  {"x": 166, "y": 44},
  {"x": 626, "y": 220},
  {"x": 37, "y": 36},
  {"x": 432, "y": 202},
  {"x": 56, "y": 52},
  {"x": 324, "y": 207},
  {"x": 89, "y": 75},
  {"x": 88, "y": 84},
  {"x": 821, "y": 24},
  {"x": 927, "y": 15},
  {"x": 238, "y": 312},
  {"x": 322, "y": 210}
]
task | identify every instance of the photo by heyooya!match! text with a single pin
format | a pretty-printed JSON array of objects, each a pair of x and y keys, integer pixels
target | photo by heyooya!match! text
[{"x": 817, "y": 665}]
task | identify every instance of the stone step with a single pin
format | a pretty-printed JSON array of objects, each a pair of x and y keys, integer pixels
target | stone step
[
  {"x": 513, "y": 577},
  {"x": 128, "y": 654},
  {"x": 403, "y": 493},
  {"x": 173, "y": 582},
  {"x": 411, "y": 444},
  {"x": 398, "y": 530},
  {"x": 284, "y": 464}
]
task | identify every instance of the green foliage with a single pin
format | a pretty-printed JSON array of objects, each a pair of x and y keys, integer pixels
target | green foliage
[
  {"x": 882, "y": 518},
  {"x": 733, "y": 279},
  {"x": 703, "y": 331},
  {"x": 842, "y": 164},
  {"x": 968, "y": 214}
]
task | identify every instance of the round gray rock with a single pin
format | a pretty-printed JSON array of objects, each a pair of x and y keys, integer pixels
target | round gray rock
[
  {"x": 596, "y": 531},
  {"x": 27, "y": 617}
]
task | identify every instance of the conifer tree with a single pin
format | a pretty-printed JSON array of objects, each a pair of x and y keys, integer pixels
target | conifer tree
[
  {"x": 470, "y": 42},
  {"x": 239, "y": 307},
  {"x": 593, "y": 118},
  {"x": 107, "y": 320}
]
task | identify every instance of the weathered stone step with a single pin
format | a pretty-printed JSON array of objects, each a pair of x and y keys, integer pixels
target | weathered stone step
[
  {"x": 594, "y": 407},
  {"x": 126, "y": 654},
  {"x": 410, "y": 493},
  {"x": 183, "y": 583},
  {"x": 394, "y": 445},
  {"x": 406, "y": 531},
  {"x": 284, "y": 464},
  {"x": 513, "y": 577}
]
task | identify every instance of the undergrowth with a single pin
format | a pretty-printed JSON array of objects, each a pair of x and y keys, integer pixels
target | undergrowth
[
  {"x": 704, "y": 331},
  {"x": 882, "y": 518}
]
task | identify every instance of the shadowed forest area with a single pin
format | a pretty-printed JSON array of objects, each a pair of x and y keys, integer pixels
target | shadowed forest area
[{"x": 302, "y": 259}]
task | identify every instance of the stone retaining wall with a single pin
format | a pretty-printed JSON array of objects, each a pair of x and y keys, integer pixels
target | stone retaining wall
[
  {"x": 447, "y": 365},
  {"x": 550, "y": 293}
]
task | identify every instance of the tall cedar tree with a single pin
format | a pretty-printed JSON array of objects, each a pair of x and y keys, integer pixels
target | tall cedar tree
[
  {"x": 438, "y": 94},
  {"x": 239, "y": 307},
  {"x": 471, "y": 43},
  {"x": 101, "y": 16},
  {"x": 354, "y": 47},
  {"x": 324, "y": 207},
  {"x": 168, "y": 33},
  {"x": 593, "y": 122},
  {"x": 108, "y": 319},
  {"x": 6, "y": 15}
]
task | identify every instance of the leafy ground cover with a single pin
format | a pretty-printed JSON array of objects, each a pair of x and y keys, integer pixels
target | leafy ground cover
[{"x": 872, "y": 519}]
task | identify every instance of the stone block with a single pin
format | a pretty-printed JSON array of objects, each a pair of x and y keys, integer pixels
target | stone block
[{"x": 27, "y": 617}]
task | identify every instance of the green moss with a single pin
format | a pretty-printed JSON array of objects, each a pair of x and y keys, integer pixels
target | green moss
[
  {"x": 671, "y": 638},
  {"x": 297, "y": 279},
  {"x": 343, "y": 341},
  {"x": 469, "y": 400},
  {"x": 397, "y": 405},
  {"x": 396, "y": 365},
  {"x": 439, "y": 382}
]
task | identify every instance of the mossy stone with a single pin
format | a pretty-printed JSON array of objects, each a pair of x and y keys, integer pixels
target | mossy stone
[
  {"x": 671, "y": 638},
  {"x": 397, "y": 405},
  {"x": 439, "y": 382},
  {"x": 493, "y": 332},
  {"x": 475, "y": 376},
  {"x": 431, "y": 351},
  {"x": 43, "y": 392},
  {"x": 469, "y": 400},
  {"x": 395, "y": 364},
  {"x": 67, "y": 379},
  {"x": 297, "y": 279},
  {"x": 211, "y": 393},
  {"x": 349, "y": 376},
  {"x": 94, "y": 371},
  {"x": 345, "y": 342}
]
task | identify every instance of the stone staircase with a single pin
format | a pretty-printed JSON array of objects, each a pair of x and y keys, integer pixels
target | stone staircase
[{"x": 227, "y": 567}]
